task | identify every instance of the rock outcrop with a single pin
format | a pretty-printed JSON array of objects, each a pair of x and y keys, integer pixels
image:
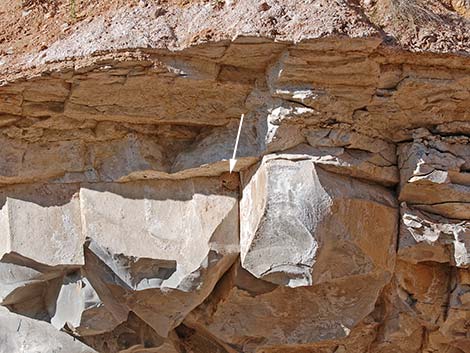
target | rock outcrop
[{"x": 345, "y": 227}]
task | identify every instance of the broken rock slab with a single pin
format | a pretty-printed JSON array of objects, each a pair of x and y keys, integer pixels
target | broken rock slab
[
  {"x": 13, "y": 278},
  {"x": 352, "y": 140},
  {"x": 454, "y": 330},
  {"x": 354, "y": 163},
  {"x": 317, "y": 248},
  {"x": 351, "y": 153},
  {"x": 27, "y": 291},
  {"x": 302, "y": 225},
  {"x": 429, "y": 237},
  {"x": 158, "y": 248},
  {"x": 79, "y": 308},
  {"x": 132, "y": 336},
  {"x": 22, "y": 334},
  {"x": 433, "y": 174},
  {"x": 42, "y": 223},
  {"x": 283, "y": 317}
]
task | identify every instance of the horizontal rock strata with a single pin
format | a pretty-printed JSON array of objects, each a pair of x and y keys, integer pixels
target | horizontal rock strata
[{"x": 345, "y": 227}]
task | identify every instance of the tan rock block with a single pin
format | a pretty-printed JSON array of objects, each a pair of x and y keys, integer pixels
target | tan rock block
[
  {"x": 131, "y": 156},
  {"x": 46, "y": 90},
  {"x": 133, "y": 336},
  {"x": 156, "y": 98},
  {"x": 282, "y": 317},
  {"x": 10, "y": 103},
  {"x": 429, "y": 237},
  {"x": 433, "y": 175},
  {"x": 22, "y": 163},
  {"x": 462, "y": 7},
  {"x": 301, "y": 225},
  {"x": 350, "y": 162}
]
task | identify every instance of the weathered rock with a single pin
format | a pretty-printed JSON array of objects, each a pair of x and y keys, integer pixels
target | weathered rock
[
  {"x": 301, "y": 225},
  {"x": 161, "y": 246},
  {"x": 426, "y": 237},
  {"x": 321, "y": 75},
  {"x": 262, "y": 131},
  {"x": 351, "y": 162},
  {"x": 127, "y": 115},
  {"x": 454, "y": 330},
  {"x": 400, "y": 331},
  {"x": 27, "y": 291},
  {"x": 354, "y": 141},
  {"x": 215, "y": 148},
  {"x": 284, "y": 317},
  {"x": 423, "y": 287},
  {"x": 42, "y": 223},
  {"x": 22, "y": 163},
  {"x": 127, "y": 158},
  {"x": 79, "y": 308},
  {"x": 413, "y": 303},
  {"x": 133, "y": 336},
  {"x": 433, "y": 175},
  {"x": 197, "y": 340},
  {"x": 19, "y": 333}
]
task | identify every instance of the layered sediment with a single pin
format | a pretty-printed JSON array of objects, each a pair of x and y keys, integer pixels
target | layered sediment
[{"x": 344, "y": 228}]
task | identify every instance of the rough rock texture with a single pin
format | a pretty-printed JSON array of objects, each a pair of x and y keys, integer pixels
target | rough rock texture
[
  {"x": 301, "y": 225},
  {"x": 22, "y": 334},
  {"x": 345, "y": 227}
]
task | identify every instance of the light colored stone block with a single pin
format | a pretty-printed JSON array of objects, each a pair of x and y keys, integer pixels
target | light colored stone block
[
  {"x": 42, "y": 223},
  {"x": 22, "y": 334},
  {"x": 164, "y": 243},
  {"x": 78, "y": 306}
]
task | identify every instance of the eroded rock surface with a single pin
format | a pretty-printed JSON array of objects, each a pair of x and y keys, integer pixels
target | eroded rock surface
[
  {"x": 301, "y": 225},
  {"x": 19, "y": 333},
  {"x": 345, "y": 227}
]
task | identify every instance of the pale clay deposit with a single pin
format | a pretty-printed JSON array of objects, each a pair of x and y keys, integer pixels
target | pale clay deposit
[{"x": 345, "y": 227}]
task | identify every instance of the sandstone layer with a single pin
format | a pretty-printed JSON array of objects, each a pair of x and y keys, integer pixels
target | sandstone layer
[{"x": 345, "y": 227}]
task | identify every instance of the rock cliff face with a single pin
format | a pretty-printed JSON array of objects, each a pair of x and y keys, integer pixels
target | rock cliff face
[{"x": 345, "y": 227}]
